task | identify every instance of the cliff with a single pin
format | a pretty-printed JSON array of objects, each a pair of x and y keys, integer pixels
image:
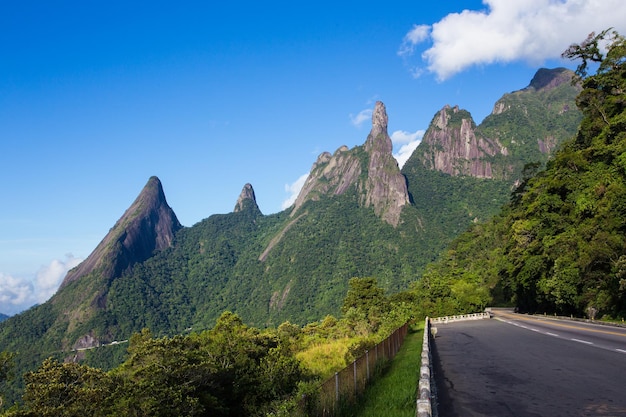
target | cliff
[
  {"x": 452, "y": 145},
  {"x": 147, "y": 226},
  {"x": 370, "y": 168}
]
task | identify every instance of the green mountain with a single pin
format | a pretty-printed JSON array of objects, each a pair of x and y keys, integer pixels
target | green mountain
[
  {"x": 560, "y": 245},
  {"x": 357, "y": 215},
  {"x": 462, "y": 174},
  {"x": 3, "y": 317}
]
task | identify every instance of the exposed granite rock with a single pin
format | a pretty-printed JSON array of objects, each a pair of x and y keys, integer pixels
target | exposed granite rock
[
  {"x": 147, "y": 226},
  {"x": 451, "y": 145},
  {"x": 385, "y": 188},
  {"x": 330, "y": 175},
  {"x": 246, "y": 198},
  {"x": 380, "y": 183}
]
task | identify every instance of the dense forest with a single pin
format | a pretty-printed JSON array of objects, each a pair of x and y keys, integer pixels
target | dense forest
[
  {"x": 229, "y": 370},
  {"x": 559, "y": 246}
]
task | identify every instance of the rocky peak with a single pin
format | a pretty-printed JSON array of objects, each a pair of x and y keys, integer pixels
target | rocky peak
[
  {"x": 246, "y": 197},
  {"x": 385, "y": 186},
  {"x": 451, "y": 145},
  {"x": 379, "y": 183},
  {"x": 548, "y": 79},
  {"x": 378, "y": 137},
  {"x": 147, "y": 226}
]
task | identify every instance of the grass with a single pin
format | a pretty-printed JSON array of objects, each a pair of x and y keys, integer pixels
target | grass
[
  {"x": 394, "y": 393},
  {"x": 324, "y": 359}
]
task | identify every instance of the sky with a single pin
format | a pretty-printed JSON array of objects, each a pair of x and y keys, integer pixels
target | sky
[{"x": 96, "y": 97}]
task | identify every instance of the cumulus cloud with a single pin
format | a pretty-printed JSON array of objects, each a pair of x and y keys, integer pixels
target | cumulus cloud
[
  {"x": 361, "y": 117},
  {"x": 506, "y": 31},
  {"x": 294, "y": 189},
  {"x": 407, "y": 142},
  {"x": 14, "y": 293},
  {"x": 417, "y": 35},
  {"x": 20, "y": 293},
  {"x": 49, "y": 277}
]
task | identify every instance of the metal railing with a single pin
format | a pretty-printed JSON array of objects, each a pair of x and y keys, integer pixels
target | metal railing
[{"x": 344, "y": 388}]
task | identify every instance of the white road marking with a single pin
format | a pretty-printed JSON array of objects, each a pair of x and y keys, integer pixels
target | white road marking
[
  {"x": 621, "y": 350},
  {"x": 552, "y": 334},
  {"x": 582, "y": 341}
]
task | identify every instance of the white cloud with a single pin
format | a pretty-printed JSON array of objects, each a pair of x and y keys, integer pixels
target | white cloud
[
  {"x": 19, "y": 293},
  {"x": 507, "y": 31},
  {"x": 363, "y": 116},
  {"x": 408, "y": 142},
  {"x": 293, "y": 190},
  {"x": 417, "y": 35},
  {"x": 49, "y": 277},
  {"x": 15, "y": 293}
]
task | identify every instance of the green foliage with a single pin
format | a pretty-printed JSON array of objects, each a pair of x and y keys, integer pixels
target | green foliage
[
  {"x": 393, "y": 394},
  {"x": 231, "y": 370},
  {"x": 68, "y": 390},
  {"x": 6, "y": 365},
  {"x": 559, "y": 245},
  {"x": 303, "y": 275},
  {"x": 6, "y": 368}
]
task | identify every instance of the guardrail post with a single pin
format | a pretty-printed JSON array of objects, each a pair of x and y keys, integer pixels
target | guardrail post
[{"x": 337, "y": 387}]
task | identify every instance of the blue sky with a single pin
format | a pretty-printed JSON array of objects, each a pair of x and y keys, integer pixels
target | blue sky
[{"x": 209, "y": 96}]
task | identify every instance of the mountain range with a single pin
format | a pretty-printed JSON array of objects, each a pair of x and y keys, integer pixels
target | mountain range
[{"x": 357, "y": 215}]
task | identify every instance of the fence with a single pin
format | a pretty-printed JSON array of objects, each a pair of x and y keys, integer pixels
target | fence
[{"x": 346, "y": 385}]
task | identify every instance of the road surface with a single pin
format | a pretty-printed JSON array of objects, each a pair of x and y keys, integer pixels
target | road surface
[{"x": 517, "y": 365}]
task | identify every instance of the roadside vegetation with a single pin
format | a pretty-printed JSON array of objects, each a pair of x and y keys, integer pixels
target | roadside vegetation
[
  {"x": 229, "y": 370},
  {"x": 394, "y": 393}
]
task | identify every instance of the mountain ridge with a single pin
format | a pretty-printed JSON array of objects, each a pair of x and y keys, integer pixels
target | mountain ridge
[
  {"x": 358, "y": 215},
  {"x": 375, "y": 174}
]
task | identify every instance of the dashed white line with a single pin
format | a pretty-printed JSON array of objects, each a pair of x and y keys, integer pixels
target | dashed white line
[
  {"x": 621, "y": 350},
  {"x": 552, "y": 334},
  {"x": 582, "y": 341}
]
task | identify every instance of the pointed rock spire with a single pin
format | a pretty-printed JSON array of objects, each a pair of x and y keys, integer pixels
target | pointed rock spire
[
  {"x": 148, "y": 225},
  {"x": 245, "y": 198},
  {"x": 386, "y": 186},
  {"x": 379, "y": 183},
  {"x": 379, "y": 138}
]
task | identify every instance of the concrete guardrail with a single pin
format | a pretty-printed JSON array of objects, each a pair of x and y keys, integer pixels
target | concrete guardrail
[
  {"x": 460, "y": 317},
  {"x": 424, "y": 399}
]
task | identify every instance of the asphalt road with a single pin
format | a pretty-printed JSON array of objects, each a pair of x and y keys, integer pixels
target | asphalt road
[{"x": 520, "y": 366}]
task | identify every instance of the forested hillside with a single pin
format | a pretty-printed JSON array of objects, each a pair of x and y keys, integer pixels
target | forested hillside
[
  {"x": 229, "y": 370},
  {"x": 560, "y": 245},
  {"x": 357, "y": 216}
]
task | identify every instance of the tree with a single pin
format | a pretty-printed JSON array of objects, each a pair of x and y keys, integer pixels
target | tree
[
  {"x": 365, "y": 300},
  {"x": 68, "y": 390},
  {"x": 6, "y": 368}
]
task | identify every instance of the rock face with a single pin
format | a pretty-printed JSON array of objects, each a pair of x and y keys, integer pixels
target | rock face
[
  {"x": 549, "y": 79},
  {"x": 385, "y": 188},
  {"x": 245, "y": 199},
  {"x": 451, "y": 145},
  {"x": 147, "y": 226},
  {"x": 378, "y": 180}
]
